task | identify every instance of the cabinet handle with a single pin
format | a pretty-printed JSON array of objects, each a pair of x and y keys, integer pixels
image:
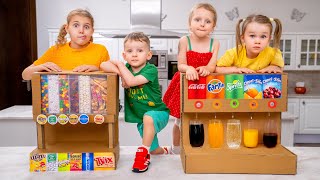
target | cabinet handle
[
  {"x": 28, "y": 84},
  {"x": 303, "y": 103}
]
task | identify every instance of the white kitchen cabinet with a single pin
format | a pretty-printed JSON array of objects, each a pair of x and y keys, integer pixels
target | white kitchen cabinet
[
  {"x": 110, "y": 43},
  {"x": 294, "y": 109},
  {"x": 309, "y": 116},
  {"x": 308, "y": 52},
  {"x": 226, "y": 42},
  {"x": 158, "y": 44},
  {"x": 288, "y": 49},
  {"x": 173, "y": 46}
]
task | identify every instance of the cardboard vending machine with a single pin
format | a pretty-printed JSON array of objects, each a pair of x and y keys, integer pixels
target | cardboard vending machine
[
  {"x": 231, "y": 123},
  {"x": 76, "y": 116}
]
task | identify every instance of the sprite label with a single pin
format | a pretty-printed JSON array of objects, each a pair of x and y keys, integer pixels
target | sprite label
[{"x": 234, "y": 86}]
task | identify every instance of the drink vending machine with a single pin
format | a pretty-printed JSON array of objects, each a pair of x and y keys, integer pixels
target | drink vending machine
[{"x": 231, "y": 123}]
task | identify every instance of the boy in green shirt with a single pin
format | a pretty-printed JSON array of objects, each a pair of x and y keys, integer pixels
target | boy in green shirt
[{"x": 143, "y": 103}]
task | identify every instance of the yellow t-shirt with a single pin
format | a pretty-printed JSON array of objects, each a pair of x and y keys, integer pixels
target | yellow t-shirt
[
  {"x": 269, "y": 56},
  {"x": 68, "y": 58}
]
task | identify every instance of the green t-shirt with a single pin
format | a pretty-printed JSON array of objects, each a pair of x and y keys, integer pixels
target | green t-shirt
[{"x": 143, "y": 98}]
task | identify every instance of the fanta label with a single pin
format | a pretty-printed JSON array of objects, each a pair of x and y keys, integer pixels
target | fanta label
[{"x": 215, "y": 87}]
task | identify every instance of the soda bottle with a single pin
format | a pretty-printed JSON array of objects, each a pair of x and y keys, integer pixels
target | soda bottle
[{"x": 234, "y": 86}]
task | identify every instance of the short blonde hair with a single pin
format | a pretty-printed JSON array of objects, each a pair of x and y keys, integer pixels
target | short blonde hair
[
  {"x": 206, "y": 6},
  {"x": 137, "y": 36}
]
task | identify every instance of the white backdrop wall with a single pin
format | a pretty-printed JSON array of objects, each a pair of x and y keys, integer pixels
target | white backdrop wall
[{"x": 52, "y": 14}]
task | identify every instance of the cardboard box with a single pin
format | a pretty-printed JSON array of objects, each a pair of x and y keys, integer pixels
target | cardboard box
[
  {"x": 101, "y": 131},
  {"x": 258, "y": 160}
]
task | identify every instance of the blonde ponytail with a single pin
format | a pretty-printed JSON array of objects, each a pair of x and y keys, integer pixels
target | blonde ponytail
[{"x": 61, "y": 40}]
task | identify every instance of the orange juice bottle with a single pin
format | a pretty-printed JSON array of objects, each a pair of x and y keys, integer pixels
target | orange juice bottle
[
  {"x": 250, "y": 135},
  {"x": 215, "y": 131},
  {"x": 215, "y": 87}
]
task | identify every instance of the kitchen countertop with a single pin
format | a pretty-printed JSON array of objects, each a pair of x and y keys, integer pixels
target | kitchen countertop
[
  {"x": 15, "y": 165},
  {"x": 17, "y": 112},
  {"x": 306, "y": 95}
]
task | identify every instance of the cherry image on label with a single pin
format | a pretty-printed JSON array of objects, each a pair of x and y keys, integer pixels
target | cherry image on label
[{"x": 197, "y": 89}]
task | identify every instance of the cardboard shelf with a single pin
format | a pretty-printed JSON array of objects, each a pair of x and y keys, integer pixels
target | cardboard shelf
[{"x": 259, "y": 160}]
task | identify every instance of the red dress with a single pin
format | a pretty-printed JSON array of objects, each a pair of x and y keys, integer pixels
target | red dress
[{"x": 172, "y": 96}]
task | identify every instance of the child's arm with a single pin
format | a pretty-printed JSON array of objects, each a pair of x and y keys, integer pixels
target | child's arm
[
  {"x": 191, "y": 72},
  {"x": 226, "y": 63},
  {"x": 271, "y": 69},
  {"x": 48, "y": 66},
  {"x": 128, "y": 78},
  {"x": 109, "y": 66},
  {"x": 276, "y": 65},
  {"x": 211, "y": 66},
  {"x": 233, "y": 69},
  {"x": 86, "y": 68}
]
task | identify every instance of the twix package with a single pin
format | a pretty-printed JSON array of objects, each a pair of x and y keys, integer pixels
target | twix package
[{"x": 104, "y": 161}]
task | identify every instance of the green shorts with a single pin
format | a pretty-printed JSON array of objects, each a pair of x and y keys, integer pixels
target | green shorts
[{"x": 160, "y": 120}]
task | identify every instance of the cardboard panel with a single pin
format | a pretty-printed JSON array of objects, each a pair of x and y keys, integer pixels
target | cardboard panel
[{"x": 245, "y": 105}]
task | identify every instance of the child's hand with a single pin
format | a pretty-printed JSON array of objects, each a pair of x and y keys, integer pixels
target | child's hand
[
  {"x": 271, "y": 69},
  {"x": 244, "y": 70},
  {"x": 86, "y": 68},
  {"x": 191, "y": 73},
  {"x": 203, "y": 71},
  {"x": 49, "y": 67}
]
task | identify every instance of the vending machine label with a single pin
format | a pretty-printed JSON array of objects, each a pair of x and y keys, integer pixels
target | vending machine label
[
  {"x": 234, "y": 86},
  {"x": 253, "y": 86},
  {"x": 272, "y": 86}
]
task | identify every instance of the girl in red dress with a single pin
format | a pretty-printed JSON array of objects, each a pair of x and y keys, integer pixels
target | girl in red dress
[{"x": 197, "y": 56}]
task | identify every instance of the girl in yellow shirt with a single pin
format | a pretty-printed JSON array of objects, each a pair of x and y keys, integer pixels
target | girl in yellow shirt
[
  {"x": 78, "y": 55},
  {"x": 252, "y": 53}
]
